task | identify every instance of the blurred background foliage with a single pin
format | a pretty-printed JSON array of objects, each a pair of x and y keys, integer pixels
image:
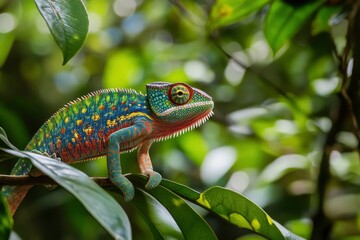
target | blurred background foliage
[{"x": 257, "y": 144}]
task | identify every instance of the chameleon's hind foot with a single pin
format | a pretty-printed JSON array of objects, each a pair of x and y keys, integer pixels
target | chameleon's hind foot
[
  {"x": 154, "y": 180},
  {"x": 124, "y": 185}
]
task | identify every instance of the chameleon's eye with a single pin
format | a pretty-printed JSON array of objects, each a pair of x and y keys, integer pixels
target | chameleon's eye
[{"x": 180, "y": 94}]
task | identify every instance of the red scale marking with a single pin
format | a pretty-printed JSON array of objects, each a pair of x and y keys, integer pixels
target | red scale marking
[
  {"x": 76, "y": 153},
  {"x": 88, "y": 147},
  {"x": 65, "y": 155}
]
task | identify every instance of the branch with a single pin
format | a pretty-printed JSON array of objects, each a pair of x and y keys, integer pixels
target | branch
[
  {"x": 349, "y": 94},
  {"x": 348, "y": 87},
  {"x": 11, "y": 180}
]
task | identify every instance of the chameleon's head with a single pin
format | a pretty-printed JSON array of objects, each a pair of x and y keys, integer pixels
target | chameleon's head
[{"x": 178, "y": 107}]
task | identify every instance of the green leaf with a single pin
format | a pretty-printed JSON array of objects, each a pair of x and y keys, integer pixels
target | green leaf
[
  {"x": 160, "y": 222},
  {"x": 181, "y": 190},
  {"x": 96, "y": 200},
  {"x": 234, "y": 208},
  {"x": 284, "y": 20},
  {"x": 68, "y": 23},
  {"x": 192, "y": 225},
  {"x": 242, "y": 212},
  {"x": 6, "y": 221},
  {"x": 322, "y": 20},
  {"x": 226, "y": 12}
]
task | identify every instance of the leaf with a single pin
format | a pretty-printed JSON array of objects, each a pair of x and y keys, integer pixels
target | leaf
[
  {"x": 234, "y": 208},
  {"x": 68, "y": 23},
  {"x": 160, "y": 222},
  {"x": 227, "y": 12},
  {"x": 6, "y": 221},
  {"x": 284, "y": 20},
  {"x": 96, "y": 200},
  {"x": 322, "y": 21},
  {"x": 192, "y": 225}
]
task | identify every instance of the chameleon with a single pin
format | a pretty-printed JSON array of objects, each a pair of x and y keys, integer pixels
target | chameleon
[{"x": 109, "y": 122}]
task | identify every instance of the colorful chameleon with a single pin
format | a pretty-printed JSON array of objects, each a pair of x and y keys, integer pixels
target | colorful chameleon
[{"x": 112, "y": 121}]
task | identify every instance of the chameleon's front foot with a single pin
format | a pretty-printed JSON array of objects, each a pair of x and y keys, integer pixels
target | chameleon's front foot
[
  {"x": 124, "y": 185},
  {"x": 154, "y": 180}
]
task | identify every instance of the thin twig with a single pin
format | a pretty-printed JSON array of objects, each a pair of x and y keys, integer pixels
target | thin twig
[
  {"x": 343, "y": 60},
  {"x": 322, "y": 225},
  {"x": 262, "y": 77}
]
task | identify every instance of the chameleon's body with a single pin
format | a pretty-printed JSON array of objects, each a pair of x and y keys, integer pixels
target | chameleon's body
[{"x": 109, "y": 122}]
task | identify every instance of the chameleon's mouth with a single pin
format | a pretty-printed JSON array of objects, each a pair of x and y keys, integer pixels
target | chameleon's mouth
[
  {"x": 209, "y": 104},
  {"x": 174, "y": 131}
]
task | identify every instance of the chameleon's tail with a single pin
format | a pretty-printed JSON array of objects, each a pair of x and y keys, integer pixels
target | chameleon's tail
[{"x": 15, "y": 194}]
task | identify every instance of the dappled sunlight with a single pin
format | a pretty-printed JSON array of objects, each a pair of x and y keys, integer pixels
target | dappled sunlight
[{"x": 216, "y": 163}]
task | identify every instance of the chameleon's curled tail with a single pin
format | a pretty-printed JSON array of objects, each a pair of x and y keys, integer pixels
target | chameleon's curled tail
[{"x": 15, "y": 194}]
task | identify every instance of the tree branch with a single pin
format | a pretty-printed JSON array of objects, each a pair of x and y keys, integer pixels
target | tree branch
[
  {"x": 11, "y": 180},
  {"x": 348, "y": 96}
]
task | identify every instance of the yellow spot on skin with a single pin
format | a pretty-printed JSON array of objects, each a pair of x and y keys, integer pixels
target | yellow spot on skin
[
  {"x": 66, "y": 120},
  {"x": 79, "y": 122},
  {"x": 255, "y": 224},
  {"x": 139, "y": 105},
  {"x": 269, "y": 219},
  {"x": 87, "y": 102},
  {"x": 75, "y": 109},
  {"x": 47, "y": 135},
  {"x": 111, "y": 123},
  {"x": 89, "y": 130},
  {"x": 39, "y": 143},
  {"x": 76, "y": 134},
  {"x": 133, "y": 115},
  {"x": 240, "y": 221},
  {"x": 73, "y": 140},
  {"x": 95, "y": 117},
  {"x": 83, "y": 110},
  {"x": 203, "y": 201}
]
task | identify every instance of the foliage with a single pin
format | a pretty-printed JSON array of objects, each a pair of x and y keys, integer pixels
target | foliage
[
  {"x": 5, "y": 219},
  {"x": 68, "y": 23},
  {"x": 109, "y": 214},
  {"x": 285, "y": 130},
  {"x": 233, "y": 207}
]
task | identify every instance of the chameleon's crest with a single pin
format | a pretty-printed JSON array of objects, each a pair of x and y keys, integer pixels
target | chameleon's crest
[{"x": 178, "y": 107}]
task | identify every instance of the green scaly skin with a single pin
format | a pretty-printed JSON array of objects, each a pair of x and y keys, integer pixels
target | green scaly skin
[{"x": 112, "y": 121}]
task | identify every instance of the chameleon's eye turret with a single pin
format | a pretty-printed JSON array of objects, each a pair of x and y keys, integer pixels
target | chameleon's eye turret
[
  {"x": 180, "y": 94},
  {"x": 178, "y": 105}
]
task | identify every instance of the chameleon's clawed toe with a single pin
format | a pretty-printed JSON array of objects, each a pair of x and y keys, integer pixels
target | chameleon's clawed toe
[
  {"x": 125, "y": 186},
  {"x": 154, "y": 180},
  {"x": 129, "y": 195}
]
